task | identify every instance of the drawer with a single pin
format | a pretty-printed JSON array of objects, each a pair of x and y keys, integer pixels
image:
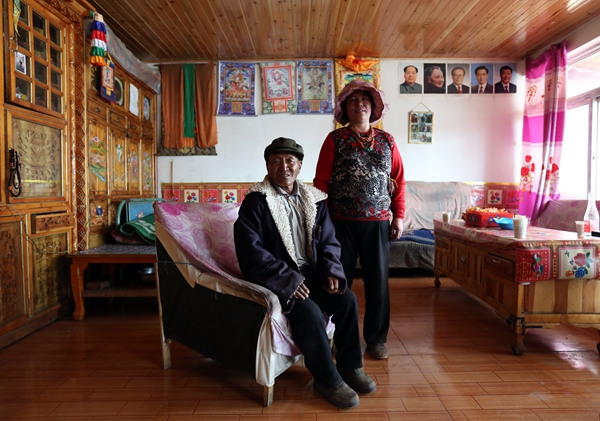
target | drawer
[
  {"x": 147, "y": 131},
  {"x": 118, "y": 119},
  {"x": 500, "y": 267},
  {"x": 50, "y": 222},
  {"x": 97, "y": 109},
  {"x": 134, "y": 128}
]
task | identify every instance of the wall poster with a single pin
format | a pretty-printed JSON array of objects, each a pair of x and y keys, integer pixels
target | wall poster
[
  {"x": 420, "y": 127},
  {"x": 236, "y": 88}
]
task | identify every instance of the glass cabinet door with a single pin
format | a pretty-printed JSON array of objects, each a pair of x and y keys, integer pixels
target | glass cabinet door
[{"x": 36, "y": 77}]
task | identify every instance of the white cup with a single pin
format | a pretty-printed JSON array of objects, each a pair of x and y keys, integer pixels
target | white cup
[
  {"x": 580, "y": 228},
  {"x": 520, "y": 226},
  {"x": 445, "y": 217}
]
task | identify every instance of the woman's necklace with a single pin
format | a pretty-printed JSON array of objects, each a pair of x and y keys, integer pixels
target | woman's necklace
[{"x": 367, "y": 143}]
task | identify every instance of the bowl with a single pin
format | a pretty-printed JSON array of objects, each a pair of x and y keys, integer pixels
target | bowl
[{"x": 504, "y": 223}]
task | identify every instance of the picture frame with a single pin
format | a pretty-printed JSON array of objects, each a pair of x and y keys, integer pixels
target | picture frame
[
  {"x": 21, "y": 63},
  {"x": 119, "y": 91},
  {"x": 134, "y": 100},
  {"x": 420, "y": 127}
]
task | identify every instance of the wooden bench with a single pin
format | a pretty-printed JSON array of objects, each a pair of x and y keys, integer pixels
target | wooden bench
[{"x": 109, "y": 254}]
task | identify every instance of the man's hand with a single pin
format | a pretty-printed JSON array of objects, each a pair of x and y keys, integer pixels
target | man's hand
[
  {"x": 301, "y": 292},
  {"x": 333, "y": 285},
  {"x": 396, "y": 229}
]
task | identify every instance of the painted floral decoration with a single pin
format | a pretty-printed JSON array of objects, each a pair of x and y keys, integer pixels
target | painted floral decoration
[
  {"x": 536, "y": 266},
  {"x": 581, "y": 263}
]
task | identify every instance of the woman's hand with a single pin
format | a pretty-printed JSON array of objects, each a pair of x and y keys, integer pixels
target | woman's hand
[{"x": 396, "y": 229}]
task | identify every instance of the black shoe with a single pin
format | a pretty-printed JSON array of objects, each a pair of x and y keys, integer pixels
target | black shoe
[
  {"x": 341, "y": 396},
  {"x": 358, "y": 380},
  {"x": 379, "y": 351}
]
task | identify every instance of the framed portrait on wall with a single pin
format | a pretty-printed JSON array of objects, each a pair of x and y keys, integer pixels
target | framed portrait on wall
[{"x": 420, "y": 127}]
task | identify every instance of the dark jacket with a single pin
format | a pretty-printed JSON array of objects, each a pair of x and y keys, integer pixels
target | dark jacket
[
  {"x": 264, "y": 245},
  {"x": 499, "y": 88}
]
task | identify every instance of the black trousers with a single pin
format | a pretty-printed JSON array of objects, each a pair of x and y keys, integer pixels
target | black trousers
[
  {"x": 308, "y": 331},
  {"x": 369, "y": 241}
]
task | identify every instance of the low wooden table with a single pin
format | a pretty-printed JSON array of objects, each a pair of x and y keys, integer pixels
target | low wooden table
[
  {"x": 108, "y": 254},
  {"x": 548, "y": 278}
]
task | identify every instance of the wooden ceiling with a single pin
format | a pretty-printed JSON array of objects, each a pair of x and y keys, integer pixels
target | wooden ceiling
[{"x": 159, "y": 31}]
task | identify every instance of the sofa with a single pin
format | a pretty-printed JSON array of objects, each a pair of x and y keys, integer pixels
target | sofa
[
  {"x": 204, "y": 302},
  {"x": 561, "y": 214},
  {"x": 425, "y": 201}
]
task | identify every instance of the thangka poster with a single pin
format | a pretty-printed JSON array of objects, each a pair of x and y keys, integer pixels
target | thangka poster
[
  {"x": 236, "y": 88},
  {"x": 315, "y": 87},
  {"x": 279, "y": 87}
]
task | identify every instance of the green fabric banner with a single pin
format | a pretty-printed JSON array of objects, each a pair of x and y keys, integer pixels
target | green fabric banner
[{"x": 189, "y": 111}]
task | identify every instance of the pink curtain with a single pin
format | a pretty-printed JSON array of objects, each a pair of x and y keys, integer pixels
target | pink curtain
[{"x": 543, "y": 129}]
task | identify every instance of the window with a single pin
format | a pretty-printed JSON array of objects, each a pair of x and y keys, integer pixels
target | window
[
  {"x": 37, "y": 75},
  {"x": 579, "y": 158}
]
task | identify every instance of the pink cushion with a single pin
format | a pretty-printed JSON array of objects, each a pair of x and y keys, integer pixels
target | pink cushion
[{"x": 204, "y": 231}]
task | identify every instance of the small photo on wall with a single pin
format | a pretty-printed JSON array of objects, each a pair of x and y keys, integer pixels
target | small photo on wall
[
  {"x": 459, "y": 79},
  {"x": 420, "y": 127},
  {"x": 504, "y": 78},
  {"x": 434, "y": 78},
  {"x": 411, "y": 78},
  {"x": 481, "y": 75}
]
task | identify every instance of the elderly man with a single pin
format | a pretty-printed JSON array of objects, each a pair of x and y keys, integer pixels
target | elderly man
[{"x": 285, "y": 241}]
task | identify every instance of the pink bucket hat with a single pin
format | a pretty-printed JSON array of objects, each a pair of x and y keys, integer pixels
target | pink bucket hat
[{"x": 379, "y": 105}]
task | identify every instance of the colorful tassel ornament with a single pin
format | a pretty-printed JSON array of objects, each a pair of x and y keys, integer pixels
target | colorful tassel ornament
[{"x": 98, "y": 38}]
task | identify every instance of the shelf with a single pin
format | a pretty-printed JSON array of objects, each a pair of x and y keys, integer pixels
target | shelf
[{"x": 127, "y": 290}]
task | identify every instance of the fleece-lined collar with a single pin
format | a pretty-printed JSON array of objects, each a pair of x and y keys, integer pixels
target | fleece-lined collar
[{"x": 309, "y": 197}]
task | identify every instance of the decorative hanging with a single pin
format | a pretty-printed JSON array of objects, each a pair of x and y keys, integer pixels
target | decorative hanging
[
  {"x": 98, "y": 38},
  {"x": 356, "y": 63},
  {"x": 236, "y": 88},
  {"x": 107, "y": 80},
  {"x": 279, "y": 91},
  {"x": 315, "y": 87}
]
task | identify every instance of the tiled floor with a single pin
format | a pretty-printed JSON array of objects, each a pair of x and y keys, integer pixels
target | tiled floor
[{"x": 450, "y": 359}]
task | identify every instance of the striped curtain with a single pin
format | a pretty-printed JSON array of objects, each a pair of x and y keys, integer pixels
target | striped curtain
[{"x": 543, "y": 129}]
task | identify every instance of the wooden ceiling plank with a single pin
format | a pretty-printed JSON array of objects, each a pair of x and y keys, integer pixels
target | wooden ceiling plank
[
  {"x": 296, "y": 29},
  {"x": 322, "y": 29},
  {"x": 200, "y": 40}
]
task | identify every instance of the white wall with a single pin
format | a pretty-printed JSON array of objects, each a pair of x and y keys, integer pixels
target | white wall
[{"x": 476, "y": 137}]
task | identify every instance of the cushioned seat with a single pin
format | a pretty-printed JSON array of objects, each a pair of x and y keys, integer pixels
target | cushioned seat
[{"x": 207, "y": 305}]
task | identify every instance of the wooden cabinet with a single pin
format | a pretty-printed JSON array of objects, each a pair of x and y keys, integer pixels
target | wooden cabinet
[
  {"x": 65, "y": 136},
  {"x": 487, "y": 264},
  {"x": 467, "y": 264},
  {"x": 121, "y": 150}
]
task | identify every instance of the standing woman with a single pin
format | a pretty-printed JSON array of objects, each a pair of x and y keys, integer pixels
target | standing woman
[{"x": 361, "y": 170}]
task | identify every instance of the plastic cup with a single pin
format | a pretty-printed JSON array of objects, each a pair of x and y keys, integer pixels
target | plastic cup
[
  {"x": 445, "y": 217},
  {"x": 580, "y": 229},
  {"x": 520, "y": 226}
]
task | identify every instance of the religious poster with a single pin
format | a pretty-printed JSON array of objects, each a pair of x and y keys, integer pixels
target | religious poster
[
  {"x": 315, "y": 87},
  {"x": 236, "y": 88},
  {"x": 279, "y": 87}
]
